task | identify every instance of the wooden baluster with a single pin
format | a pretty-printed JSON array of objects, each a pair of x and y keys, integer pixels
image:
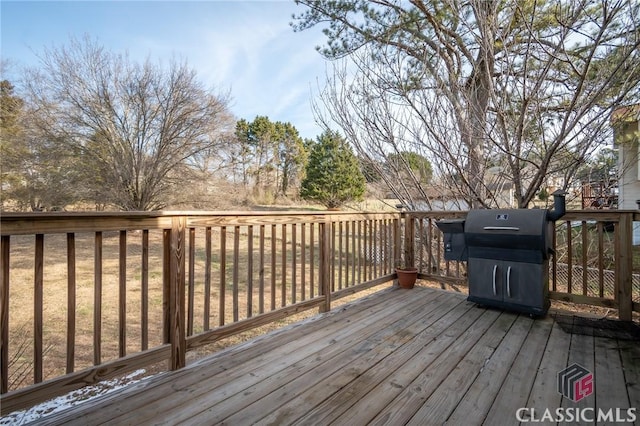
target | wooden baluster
[
  {"x": 294, "y": 267},
  {"x": 97, "y": 299},
  {"x": 144, "y": 291},
  {"x": 569, "y": 257},
  {"x": 250, "y": 271},
  {"x": 5, "y": 246},
  {"x": 283, "y": 265},
  {"x": 223, "y": 275},
  {"x": 236, "y": 273},
  {"x": 122, "y": 295},
  {"x": 354, "y": 258},
  {"x": 585, "y": 258},
  {"x": 166, "y": 284},
  {"x": 262, "y": 266},
  {"x": 340, "y": 255},
  {"x": 554, "y": 262},
  {"x": 430, "y": 245},
  {"x": 312, "y": 263},
  {"x": 191, "y": 283},
  {"x": 38, "y": 286},
  {"x": 303, "y": 261},
  {"x": 71, "y": 301},
  {"x": 347, "y": 255},
  {"x": 273, "y": 266},
  {"x": 360, "y": 262},
  {"x": 325, "y": 264},
  {"x": 207, "y": 279},
  {"x": 600, "y": 228}
]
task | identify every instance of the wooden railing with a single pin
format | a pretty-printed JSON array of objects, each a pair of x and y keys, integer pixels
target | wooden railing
[
  {"x": 87, "y": 297},
  {"x": 90, "y": 296},
  {"x": 593, "y": 264}
]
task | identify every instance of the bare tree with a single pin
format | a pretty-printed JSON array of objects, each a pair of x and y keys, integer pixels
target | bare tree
[
  {"x": 137, "y": 128},
  {"x": 497, "y": 94},
  {"x": 35, "y": 171}
]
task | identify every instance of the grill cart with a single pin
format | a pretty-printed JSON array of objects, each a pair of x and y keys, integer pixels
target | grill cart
[{"x": 507, "y": 253}]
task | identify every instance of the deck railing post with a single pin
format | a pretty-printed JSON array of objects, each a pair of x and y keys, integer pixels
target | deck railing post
[
  {"x": 409, "y": 246},
  {"x": 325, "y": 264},
  {"x": 4, "y": 313},
  {"x": 174, "y": 302},
  {"x": 624, "y": 266},
  {"x": 397, "y": 242}
]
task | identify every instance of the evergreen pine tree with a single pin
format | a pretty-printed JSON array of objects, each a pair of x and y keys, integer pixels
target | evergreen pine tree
[{"x": 333, "y": 176}]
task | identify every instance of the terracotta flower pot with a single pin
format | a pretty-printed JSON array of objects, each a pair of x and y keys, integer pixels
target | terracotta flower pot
[{"x": 407, "y": 277}]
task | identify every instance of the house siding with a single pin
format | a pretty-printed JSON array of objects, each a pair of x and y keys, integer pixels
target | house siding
[{"x": 626, "y": 139}]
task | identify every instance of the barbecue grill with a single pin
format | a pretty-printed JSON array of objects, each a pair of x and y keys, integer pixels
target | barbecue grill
[{"x": 507, "y": 253}]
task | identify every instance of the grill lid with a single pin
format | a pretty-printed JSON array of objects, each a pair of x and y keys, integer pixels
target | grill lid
[
  {"x": 506, "y": 222},
  {"x": 508, "y": 229}
]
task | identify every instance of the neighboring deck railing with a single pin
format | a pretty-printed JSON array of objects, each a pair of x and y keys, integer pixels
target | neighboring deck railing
[{"x": 90, "y": 296}]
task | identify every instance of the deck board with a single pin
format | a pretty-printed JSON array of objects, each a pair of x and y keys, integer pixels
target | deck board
[
  {"x": 301, "y": 375},
  {"x": 581, "y": 352},
  {"x": 630, "y": 356},
  {"x": 555, "y": 357},
  {"x": 421, "y": 356},
  {"x": 439, "y": 406},
  {"x": 372, "y": 391},
  {"x": 295, "y": 368},
  {"x": 238, "y": 363},
  {"x": 515, "y": 390},
  {"x": 481, "y": 394},
  {"x": 608, "y": 363},
  {"x": 403, "y": 391},
  {"x": 338, "y": 391},
  {"x": 358, "y": 358}
]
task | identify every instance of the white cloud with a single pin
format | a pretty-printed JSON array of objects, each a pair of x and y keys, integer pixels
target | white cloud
[
  {"x": 268, "y": 67},
  {"x": 247, "y": 47}
]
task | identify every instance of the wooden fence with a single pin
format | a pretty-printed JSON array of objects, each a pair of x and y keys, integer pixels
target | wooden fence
[{"x": 91, "y": 296}]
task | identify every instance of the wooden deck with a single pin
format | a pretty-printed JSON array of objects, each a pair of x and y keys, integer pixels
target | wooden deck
[{"x": 420, "y": 356}]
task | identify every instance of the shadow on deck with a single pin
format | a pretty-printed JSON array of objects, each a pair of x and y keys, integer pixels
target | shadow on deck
[{"x": 420, "y": 356}]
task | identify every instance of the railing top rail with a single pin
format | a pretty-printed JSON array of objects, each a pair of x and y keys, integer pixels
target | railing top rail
[
  {"x": 597, "y": 215},
  {"x": 63, "y": 222},
  {"x": 173, "y": 213},
  {"x": 436, "y": 214}
]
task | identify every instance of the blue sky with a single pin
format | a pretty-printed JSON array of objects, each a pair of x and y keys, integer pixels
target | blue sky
[{"x": 247, "y": 47}]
